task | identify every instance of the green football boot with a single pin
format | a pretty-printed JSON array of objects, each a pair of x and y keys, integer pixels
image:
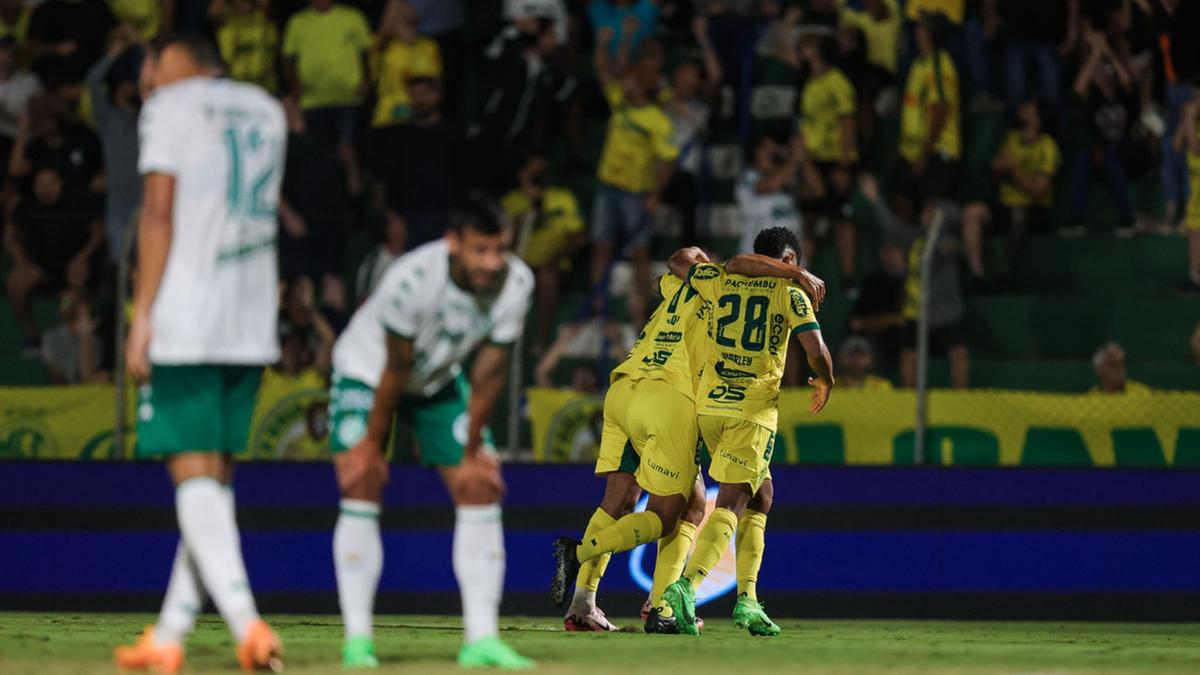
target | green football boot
[
  {"x": 359, "y": 652},
  {"x": 492, "y": 652},
  {"x": 749, "y": 614},
  {"x": 681, "y": 598}
]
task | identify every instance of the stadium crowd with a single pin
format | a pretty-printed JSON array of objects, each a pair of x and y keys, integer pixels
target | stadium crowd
[{"x": 396, "y": 108}]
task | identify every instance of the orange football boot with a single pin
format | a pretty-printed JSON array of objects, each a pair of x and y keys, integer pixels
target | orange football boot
[
  {"x": 261, "y": 650},
  {"x": 145, "y": 655}
]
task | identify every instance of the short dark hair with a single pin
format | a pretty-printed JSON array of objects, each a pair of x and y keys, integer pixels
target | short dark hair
[
  {"x": 200, "y": 48},
  {"x": 773, "y": 242},
  {"x": 478, "y": 212}
]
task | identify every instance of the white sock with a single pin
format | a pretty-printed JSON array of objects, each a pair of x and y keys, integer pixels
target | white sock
[
  {"x": 584, "y": 600},
  {"x": 209, "y": 528},
  {"x": 358, "y": 561},
  {"x": 479, "y": 568},
  {"x": 184, "y": 600}
]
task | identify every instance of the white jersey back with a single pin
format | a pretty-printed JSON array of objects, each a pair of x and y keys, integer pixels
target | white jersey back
[
  {"x": 223, "y": 142},
  {"x": 417, "y": 299}
]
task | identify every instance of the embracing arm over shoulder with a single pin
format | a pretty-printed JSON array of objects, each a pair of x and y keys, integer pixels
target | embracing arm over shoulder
[{"x": 750, "y": 265}]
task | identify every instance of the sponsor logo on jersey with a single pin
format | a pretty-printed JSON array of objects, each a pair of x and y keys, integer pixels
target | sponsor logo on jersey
[
  {"x": 730, "y": 373},
  {"x": 799, "y": 306},
  {"x": 777, "y": 334},
  {"x": 706, "y": 272},
  {"x": 668, "y": 336},
  {"x": 661, "y": 469}
]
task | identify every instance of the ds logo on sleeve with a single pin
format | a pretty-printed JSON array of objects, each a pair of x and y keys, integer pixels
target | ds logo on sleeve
[
  {"x": 799, "y": 306},
  {"x": 703, "y": 272}
]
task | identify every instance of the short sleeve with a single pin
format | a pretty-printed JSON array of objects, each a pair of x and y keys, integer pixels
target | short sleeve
[
  {"x": 706, "y": 279},
  {"x": 513, "y": 306},
  {"x": 668, "y": 285},
  {"x": 568, "y": 219},
  {"x": 160, "y": 146},
  {"x": 402, "y": 310},
  {"x": 613, "y": 94},
  {"x": 844, "y": 100},
  {"x": 291, "y": 37},
  {"x": 1051, "y": 159},
  {"x": 800, "y": 311},
  {"x": 664, "y": 143}
]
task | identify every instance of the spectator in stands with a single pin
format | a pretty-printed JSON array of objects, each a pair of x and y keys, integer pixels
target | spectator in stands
[
  {"x": 248, "y": 41},
  {"x": 307, "y": 334},
  {"x": 764, "y": 190},
  {"x": 945, "y": 306},
  {"x": 856, "y": 363},
  {"x": 630, "y": 21},
  {"x": 1109, "y": 364},
  {"x": 690, "y": 102},
  {"x": 595, "y": 339},
  {"x": 65, "y": 38},
  {"x": 1105, "y": 84},
  {"x": 420, "y": 166},
  {"x": 877, "y": 313},
  {"x": 1037, "y": 32},
  {"x": 325, "y": 59},
  {"x": 148, "y": 18},
  {"x": 371, "y": 269},
  {"x": 828, "y": 129},
  {"x": 14, "y": 22},
  {"x": 112, "y": 86},
  {"x": 48, "y": 138},
  {"x": 17, "y": 87},
  {"x": 1180, "y": 70},
  {"x": 1024, "y": 167},
  {"x": 879, "y": 21},
  {"x": 732, "y": 29},
  {"x": 555, "y": 10},
  {"x": 930, "y": 135},
  {"x": 312, "y": 233},
  {"x": 1187, "y": 142},
  {"x": 635, "y": 166},
  {"x": 548, "y": 232},
  {"x": 520, "y": 84},
  {"x": 71, "y": 350},
  {"x": 53, "y": 238},
  {"x": 399, "y": 54},
  {"x": 869, "y": 79},
  {"x": 442, "y": 20}
]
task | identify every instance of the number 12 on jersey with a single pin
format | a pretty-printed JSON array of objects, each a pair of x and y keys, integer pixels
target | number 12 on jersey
[{"x": 248, "y": 180}]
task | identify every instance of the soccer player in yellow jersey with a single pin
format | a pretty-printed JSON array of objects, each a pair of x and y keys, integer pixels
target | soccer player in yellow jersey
[
  {"x": 737, "y": 408},
  {"x": 650, "y": 406}
]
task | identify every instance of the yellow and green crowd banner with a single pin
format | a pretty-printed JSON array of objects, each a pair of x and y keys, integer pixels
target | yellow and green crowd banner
[
  {"x": 968, "y": 428},
  {"x": 973, "y": 428},
  {"x": 291, "y": 421}
]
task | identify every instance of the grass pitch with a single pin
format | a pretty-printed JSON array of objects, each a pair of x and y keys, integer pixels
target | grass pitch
[{"x": 82, "y": 643}]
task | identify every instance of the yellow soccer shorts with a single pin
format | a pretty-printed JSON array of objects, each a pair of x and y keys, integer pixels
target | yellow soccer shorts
[
  {"x": 741, "y": 450},
  {"x": 659, "y": 422}
]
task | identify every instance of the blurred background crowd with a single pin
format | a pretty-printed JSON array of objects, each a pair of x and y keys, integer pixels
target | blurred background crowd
[{"x": 1053, "y": 142}]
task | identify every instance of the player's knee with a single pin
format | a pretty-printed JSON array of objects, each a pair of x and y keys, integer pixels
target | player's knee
[
  {"x": 763, "y": 499},
  {"x": 694, "y": 513},
  {"x": 474, "y": 490}
]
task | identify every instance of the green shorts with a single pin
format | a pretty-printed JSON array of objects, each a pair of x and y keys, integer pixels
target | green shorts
[
  {"x": 196, "y": 408},
  {"x": 439, "y": 422}
]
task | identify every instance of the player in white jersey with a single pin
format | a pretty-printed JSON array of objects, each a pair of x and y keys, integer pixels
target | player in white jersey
[
  {"x": 403, "y": 351},
  {"x": 211, "y": 157}
]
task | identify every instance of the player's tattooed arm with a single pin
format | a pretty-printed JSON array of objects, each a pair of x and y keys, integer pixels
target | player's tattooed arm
[
  {"x": 754, "y": 265},
  {"x": 821, "y": 363},
  {"x": 487, "y": 383},
  {"x": 682, "y": 261}
]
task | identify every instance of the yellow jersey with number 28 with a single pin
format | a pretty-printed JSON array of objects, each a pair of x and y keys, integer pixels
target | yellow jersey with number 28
[
  {"x": 671, "y": 346},
  {"x": 753, "y": 319}
]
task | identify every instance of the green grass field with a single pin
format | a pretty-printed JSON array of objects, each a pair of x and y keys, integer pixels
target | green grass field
[{"x": 81, "y": 643}]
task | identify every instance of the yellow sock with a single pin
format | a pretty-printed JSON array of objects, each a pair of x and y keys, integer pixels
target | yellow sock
[
  {"x": 710, "y": 544},
  {"x": 751, "y": 542},
  {"x": 672, "y": 554},
  {"x": 629, "y": 532},
  {"x": 591, "y": 571}
]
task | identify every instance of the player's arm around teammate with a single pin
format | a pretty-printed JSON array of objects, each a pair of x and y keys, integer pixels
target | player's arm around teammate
[{"x": 751, "y": 265}]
